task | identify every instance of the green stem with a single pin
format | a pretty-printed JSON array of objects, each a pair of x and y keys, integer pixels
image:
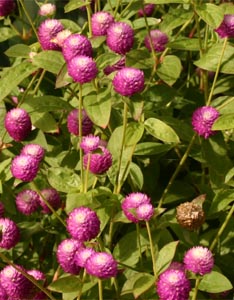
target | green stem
[
  {"x": 87, "y": 173},
  {"x": 100, "y": 291},
  {"x": 219, "y": 233},
  {"x": 125, "y": 9},
  {"x": 196, "y": 288},
  {"x": 89, "y": 13},
  {"x": 139, "y": 242},
  {"x": 152, "y": 250},
  {"x": 80, "y": 136},
  {"x": 82, "y": 284},
  {"x": 39, "y": 82},
  {"x": 117, "y": 7},
  {"x": 177, "y": 170},
  {"x": 217, "y": 71},
  {"x": 109, "y": 2}
]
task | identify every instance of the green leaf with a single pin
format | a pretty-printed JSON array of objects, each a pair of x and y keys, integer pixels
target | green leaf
[
  {"x": 44, "y": 121},
  {"x": 166, "y": 1},
  {"x": 224, "y": 122},
  {"x": 215, "y": 282},
  {"x": 169, "y": 69},
  {"x": 142, "y": 283},
  {"x": 136, "y": 176},
  {"x": 74, "y": 4},
  {"x": 150, "y": 148},
  {"x": 139, "y": 58},
  {"x": 140, "y": 23},
  {"x": 6, "y": 33},
  {"x": 70, "y": 25},
  {"x": 161, "y": 131},
  {"x": 66, "y": 284},
  {"x": 49, "y": 60},
  {"x": 13, "y": 76},
  {"x": 185, "y": 44},
  {"x": 210, "y": 13},
  {"x": 165, "y": 256},
  {"x": 97, "y": 41},
  {"x": 221, "y": 201},
  {"x": 175, "y": 18},
  {"x": 19, "y": 50},
  {"x": 134, "y": 132}
]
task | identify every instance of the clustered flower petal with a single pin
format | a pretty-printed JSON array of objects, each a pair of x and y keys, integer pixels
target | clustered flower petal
[
  {"x": 52, "y": 197},
  {"x": 100, "y": 22},
  {"x": 145, "y": 211},
  {"x": 83, "y": 224},
  {"x": 61, "y": 37},
  {"x": 73, "y": 122},
  {"x": 90, "y": 143},
  {"x": 203, "y": 119},
  {"x": 6, "y": 7},
  {"x": 24, "y": 167},
  {"x": 9, "y": 233},
  {"x": 158, "y": 39},
  {"x": 199, "y": 260},
  {"x": 34, "y": 150},
  {"x": 226, "y": 29},
  {"x": 47, "y": 31},
  {"x": 27, "y": 201},
  {"x": 47, "y": 9},
  {"x": 147, "y": 11},
  {"x": 99, "y": 161},
  {"x": 82, "y": 255},
  {"x": 129, "y": 81}
]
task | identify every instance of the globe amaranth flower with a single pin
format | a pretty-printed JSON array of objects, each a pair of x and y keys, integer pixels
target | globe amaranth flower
[
  {"x": 115, "y": 67},
  {"x": 158, "y": 39},
  {"x": 51, "y": 196},
  {"x": 120, "y": 37},
  {"x": 27, "y": 201},
  {"x": 147, "y": 11},
  {"x": 24, "y": 167},
  {"x": 76, "y": 44},
  {"x": 2, "y": 210},
  {"x": 83, "y": 223},
  {"x": 175, "y": 265},
  {"x": 47, "y": 31},
  {"x": 73, "y": 122},
  {"x": 199, "y": 260},
  {"x": 131, "y": 204},
  {"x": 34, "y": 150},
  {"x": 82, "y": 68},
  {"x": 89, "y": 143},
  {"x": 18, "y": 124},
  {"x": 3, "y": 293},
  {"x": 226, "y": 28},
  {"x": 173, "y": 285},
  {"x": 99, "y": 161},
  {"x": 100, "y": 22},
  {"x": 203, "y": 119},
  {"x": 60, "y": 38},
  {"x": 101, "y": 265},
  {"x": 82, "y": 255},
  {"x": 9, "y": 233},
  {"x": 47, "y": 10},
  {"x": 129, "y": 81},
  {"x": 6, "y": 7},
  {"x": 66, "y": 255},
  {"x": 145, "y": 212}
]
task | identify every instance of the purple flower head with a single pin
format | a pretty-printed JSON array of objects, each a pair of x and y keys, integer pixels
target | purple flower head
[
  {"x": 90, "y": 143},
  {"x": 148, "y": 10},
  {"x": 175, "y": 265},
  {"x": 27, "y": 202},
  {"x": 37, "y": 274},
  {"x": 82, "y": 255},
  {"x": 2, "y": 210},
  {"x": 16, "y": 285},
  {"x": 120, "y": 37},
  {"x": 52, "y": 197},
  {"x": 47, "y": 10},
  {"x": 199, "y": 260},
  {"x": 47, "y": 31},
  {"x": 24, "y": 167},
  {"x": 83, "y": 224},
  {"x": 18, "y": 124},
  {"x": 129, "y": 81},
  {"x": 226, "y": 29},
  {"x": 145, "y": 211},
  {"x": 73, "y": 122},
  {"x": 203, "y": 119},
  {"x": 66, "y": 253},
  {"x": 82, "y": 69},
  {"x": 173, "y": 285},
  {"x": 6, "y": 7},
  {"x": 99, "y": 161},
  {"x": 100, "y": 22},
  {"x": 9, "y": 233},
  {"x": 158, "y": 39},
  {"x": 131, "y": 203},
  {"x": 61, "y": 37},
  {"x": 117, "y": 66},
  {"x": 34, "y": 150},
  {"x": 3, "y": 293},
  {"x": 101, "y": 265},
  {"x": 75, "y": 45}
]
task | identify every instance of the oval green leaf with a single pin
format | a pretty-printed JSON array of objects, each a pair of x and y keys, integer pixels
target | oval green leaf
[
  {"x": 224, "y": 122},
  {"x": 215, "y": 282},
  {"x": 169, "y": 69}
]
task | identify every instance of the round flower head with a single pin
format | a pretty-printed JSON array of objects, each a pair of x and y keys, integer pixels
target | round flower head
[
  {"x": 34, "y": 150},
  {"x": 199, "y": 260},
  {"x": 47, "y": 31},
  {"x": 158, "y": 39},
  {"x": 37, "y": 274},
  {"x": 76, "y": 44},
  {"x": 120, "y": 37},
  {"x": 24, "y": 167},
  {"x": 89, "y": 143},
  {"x": 148, "y": 10},
  {"x": 83, "y": 224},
  {"x": 16, "y": 285},
  {"x": 129, "y": 81},
  {"x": 100, "y": 22},
  {"x": 18, "y": 124},
  {"x": 131, "y": 203},
  {"x": 82, "y": 69},
  {"x": 173, "y": 285},
  {"x": 145, "y": 211},
  {"x": 2, "y": 209},
  {"x": 203, "y": 119},
  {"x": 101, "y": 265},
  {"x": 115, "y": 67},
  {"x": 27, "y": 202},
  {"x": 73, "y": 123},
  {"x": 9, "y": 233},
  {"x": 82, "y": 255},
  {"x": 99, "y": 161},
  {"x": 52, "y": 197},
  {"x": 175, "y": 265},
  {"x": 226, "y": 29},
  {"x": 47, "y": 10},
  {"x": 66, "y": 253},
  {"x": 3, "y": 293},
  {"x": 61, "y": 37},
  {"x": 6, "y": 7}
]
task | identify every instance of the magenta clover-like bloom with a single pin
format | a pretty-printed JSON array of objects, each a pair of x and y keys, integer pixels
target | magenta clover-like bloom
[
  {"x": 73, "y": 122},
  {"x": 129, "y": 81},
  {"x": 61, "y": 37},
  {"x": 82, "y": 255},
  {"x": 100, "y": 22},
  {"x": 159, "y": 40},
  {"x": 10, "y": 234},
  {"x": 34, "y": 150},
  {"x": 83, "y": 223},
  {"x": 173, "y": 285},
  {"x": 27, "y": 201},
  {"x": 47, "y": 9},
  {"x": 6, "y": 7},
  {"x": 99, "y": 161},
  {"x": 199, "y": 260},
  {"x": 90, "y": 143},
  {"x": 101, "y": 265},
  {"x": 145, "y": 212},
  {"x": 47, "y": 31},
  {"x": 52, "y": 197},
  {"x": 226, "y": 29},
  {"x": 24, "y": 167},
  {"x": 203, "y": 119},
  {"x": 148, "y": 10}
]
